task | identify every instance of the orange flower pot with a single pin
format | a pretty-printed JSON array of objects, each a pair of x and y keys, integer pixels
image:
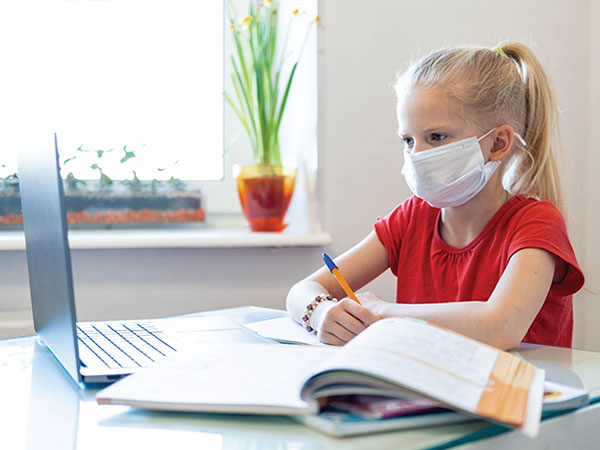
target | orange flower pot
[{"x": 265, "y": 194}]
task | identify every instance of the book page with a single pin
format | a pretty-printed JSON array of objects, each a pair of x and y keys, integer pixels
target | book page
[
  {"x": 424, "y": 358},
  {"x": 240, "y": 378},
  {"x": 561, "y": 396}
]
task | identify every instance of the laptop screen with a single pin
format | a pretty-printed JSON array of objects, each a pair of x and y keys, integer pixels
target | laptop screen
[{"x": 48, "y": 256}]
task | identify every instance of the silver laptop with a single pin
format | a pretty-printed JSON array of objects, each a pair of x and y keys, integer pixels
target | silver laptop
[{"x": 91, "y": 352}]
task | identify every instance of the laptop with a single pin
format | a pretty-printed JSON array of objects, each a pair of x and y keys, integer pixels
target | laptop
[{"x": 91, "y": 352}]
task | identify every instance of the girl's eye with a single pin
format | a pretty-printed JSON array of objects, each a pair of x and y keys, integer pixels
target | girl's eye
[
  {"x": 437, "y": 137},
  {"x": 408, "y": 141}
]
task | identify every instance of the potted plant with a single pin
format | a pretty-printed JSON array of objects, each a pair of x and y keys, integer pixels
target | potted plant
[
  {"x": 132, "y": 201},
  {"x": 106, "y": 202},
  {"x": 10, "y": 202},
  {"x": 259, "y": 97}
]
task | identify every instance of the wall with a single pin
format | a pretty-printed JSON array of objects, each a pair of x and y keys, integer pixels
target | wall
[
  {"x": 364, "y": 43},
  {"x": 589, "y": 302}
]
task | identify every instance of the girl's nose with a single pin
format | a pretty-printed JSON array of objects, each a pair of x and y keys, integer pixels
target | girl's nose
[{"x": 421, "y": 146}]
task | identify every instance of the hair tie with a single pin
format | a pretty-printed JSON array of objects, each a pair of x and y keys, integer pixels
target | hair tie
[
  {"x": 518, "y": 64},
  {"x": 500, "y": 51}
]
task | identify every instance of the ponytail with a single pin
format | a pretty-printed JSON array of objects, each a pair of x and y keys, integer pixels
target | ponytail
[{"x": 533, "y": 170}]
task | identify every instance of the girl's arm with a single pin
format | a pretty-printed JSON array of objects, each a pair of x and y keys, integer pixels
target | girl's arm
[
  {"x": 504, "y": 319},
  {"x": 359, "y": 265}
]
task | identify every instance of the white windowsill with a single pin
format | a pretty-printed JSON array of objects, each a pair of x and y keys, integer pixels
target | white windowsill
[
  {"x": 112, "y": 239},
  {"x": 225, "y": 231}
]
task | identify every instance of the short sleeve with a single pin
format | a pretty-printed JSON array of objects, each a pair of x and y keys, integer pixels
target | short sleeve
[
  {"x": 390, "y": 230},
  {"x": 541, "y": 225}
]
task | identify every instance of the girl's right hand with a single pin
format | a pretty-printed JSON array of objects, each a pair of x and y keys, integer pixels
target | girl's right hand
[{"x": 337, "y": 323}]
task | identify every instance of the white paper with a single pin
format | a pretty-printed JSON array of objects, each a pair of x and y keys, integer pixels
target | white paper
[
  {"x": 284, "y": 329},
  {"x": 564, "y": 395},
  {"x": 241, "y": 378}
]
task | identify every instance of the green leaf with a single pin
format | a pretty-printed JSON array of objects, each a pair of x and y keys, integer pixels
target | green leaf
[
  {"x": 285, "y": 96},
  {"x": 105, "y": 180},
  {"x": 127, "y": 156},
  {"x": 256, "y": 76},
  {"x": 244, "y": 121},
  {"x": 248, "y": 104}
]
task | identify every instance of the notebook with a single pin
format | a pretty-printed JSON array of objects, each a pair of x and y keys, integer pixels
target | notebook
[
  {"x": 394, "y": 357},
  {"x": 346, "y": 425},
  {"x": 91, "y": 352},
  {"x": 350, "y": 419}
]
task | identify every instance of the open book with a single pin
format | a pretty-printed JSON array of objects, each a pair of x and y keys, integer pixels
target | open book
[{"x": 395, "y": 357}]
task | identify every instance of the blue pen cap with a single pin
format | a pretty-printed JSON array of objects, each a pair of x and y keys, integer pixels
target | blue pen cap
[{"x": 329, "y": 262}]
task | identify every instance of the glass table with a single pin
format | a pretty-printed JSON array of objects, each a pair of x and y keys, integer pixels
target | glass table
[{"x": 42, "y": 408}]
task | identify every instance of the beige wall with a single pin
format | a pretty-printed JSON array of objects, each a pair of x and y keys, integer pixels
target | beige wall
[
  {"x": 588, "y": 305},
  {"x": 364, "y": 43}
]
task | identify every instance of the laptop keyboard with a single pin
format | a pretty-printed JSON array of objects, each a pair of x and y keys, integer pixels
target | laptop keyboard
[{"x": 123, "y": 345}]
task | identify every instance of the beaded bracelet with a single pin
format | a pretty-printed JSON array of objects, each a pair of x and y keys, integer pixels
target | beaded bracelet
[{"x": 312, "y": 306}]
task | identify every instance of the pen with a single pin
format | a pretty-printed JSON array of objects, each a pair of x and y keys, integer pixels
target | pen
[{"x": 336, "y": 273}]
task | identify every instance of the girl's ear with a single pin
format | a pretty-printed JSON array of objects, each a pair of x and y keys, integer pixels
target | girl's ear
[{"x": 503, "y": 139}]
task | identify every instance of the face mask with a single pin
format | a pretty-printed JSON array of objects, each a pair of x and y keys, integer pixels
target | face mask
[{"x": 449, "y": 175}]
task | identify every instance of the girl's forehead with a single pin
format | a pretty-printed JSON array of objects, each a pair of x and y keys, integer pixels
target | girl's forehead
[{"x": 419, "y": 107}]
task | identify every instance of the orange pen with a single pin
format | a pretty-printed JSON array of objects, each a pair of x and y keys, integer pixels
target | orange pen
[{"x": 336, "y": 273}]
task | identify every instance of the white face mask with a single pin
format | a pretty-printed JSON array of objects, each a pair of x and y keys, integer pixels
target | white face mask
[{"x": 449, "y": 175}]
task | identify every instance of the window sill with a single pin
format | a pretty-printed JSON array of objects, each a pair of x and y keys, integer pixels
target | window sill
[{"x": 188, "y": 237}]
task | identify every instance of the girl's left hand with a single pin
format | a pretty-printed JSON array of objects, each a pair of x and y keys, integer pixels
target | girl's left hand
[{"x": 371, "y": 301}]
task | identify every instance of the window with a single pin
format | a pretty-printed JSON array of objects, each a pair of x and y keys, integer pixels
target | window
[
  {"x": 144, "y": 77},
  {"x": 133, "y": 75}
]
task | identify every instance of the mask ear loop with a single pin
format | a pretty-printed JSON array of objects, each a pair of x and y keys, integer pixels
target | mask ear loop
[
  {"x": 487, "y": 134},
  {"x": 519, "y": 137},
  {"x": 521, "y": 140}
]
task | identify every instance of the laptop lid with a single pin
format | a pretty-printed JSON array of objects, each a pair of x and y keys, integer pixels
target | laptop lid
[{"x": 48, "y": 255}]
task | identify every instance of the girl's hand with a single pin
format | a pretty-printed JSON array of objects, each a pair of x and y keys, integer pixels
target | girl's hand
[
  {"x": 337, "y": 323},
  {"x": 372, "y": 302}
]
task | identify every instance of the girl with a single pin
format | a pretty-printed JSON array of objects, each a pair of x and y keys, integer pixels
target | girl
[{"x": 482, "y": 247}]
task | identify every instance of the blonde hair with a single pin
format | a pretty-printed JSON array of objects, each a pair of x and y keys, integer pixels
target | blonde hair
[{"x": 496, "y": 86}]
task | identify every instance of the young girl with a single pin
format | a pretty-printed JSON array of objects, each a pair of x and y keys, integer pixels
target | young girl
[{"x": 482, "y": 247}]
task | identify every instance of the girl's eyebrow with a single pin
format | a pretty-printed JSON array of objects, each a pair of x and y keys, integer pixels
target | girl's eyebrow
[{"x": 444, "y": 126}]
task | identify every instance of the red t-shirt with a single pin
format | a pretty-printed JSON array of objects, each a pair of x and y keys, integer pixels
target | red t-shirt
[{"x": 431, "y": 271}]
